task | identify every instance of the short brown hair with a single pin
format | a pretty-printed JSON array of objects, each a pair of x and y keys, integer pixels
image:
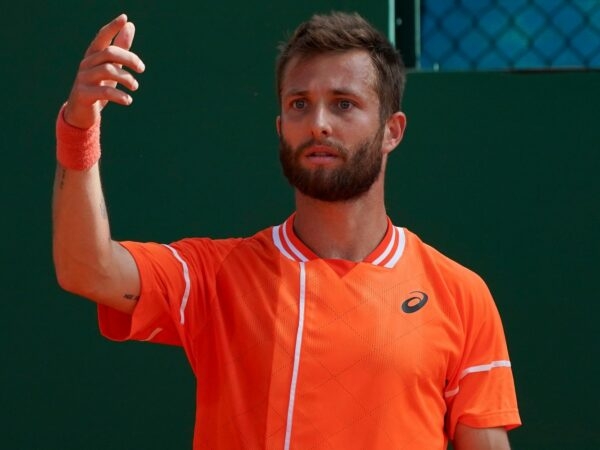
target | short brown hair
[{"x": 339, "y": 32}]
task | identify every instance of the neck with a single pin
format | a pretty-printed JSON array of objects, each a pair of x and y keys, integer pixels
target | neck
[{"x": 348, "y": 230}]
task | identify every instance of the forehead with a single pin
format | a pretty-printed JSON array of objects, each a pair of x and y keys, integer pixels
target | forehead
[{"x": 352, "y": 70}]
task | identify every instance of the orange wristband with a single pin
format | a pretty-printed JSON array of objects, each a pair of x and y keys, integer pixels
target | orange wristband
[{"x": 76, "y": 148}]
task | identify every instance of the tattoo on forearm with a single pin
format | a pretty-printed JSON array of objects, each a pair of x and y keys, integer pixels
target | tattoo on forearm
[
  {"x": 62, "y": 176},
  {"x": 131, "y": 297}
]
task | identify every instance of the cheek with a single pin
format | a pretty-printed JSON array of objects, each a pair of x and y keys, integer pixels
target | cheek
[
  {"x": 362, "y": 132},
  {"x": 290, "y": 131}
]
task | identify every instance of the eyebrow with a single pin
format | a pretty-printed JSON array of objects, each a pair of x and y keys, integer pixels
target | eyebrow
[
  {"x": 294, "y": 93},
  {"x": 304, "y": 92}
]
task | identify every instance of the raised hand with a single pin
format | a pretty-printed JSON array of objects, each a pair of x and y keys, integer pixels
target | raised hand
[{"x": 102, "y": 68}]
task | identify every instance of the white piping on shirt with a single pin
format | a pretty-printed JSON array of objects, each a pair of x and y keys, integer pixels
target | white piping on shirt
[
  {"x": 292, "y": 247},
  {"x": 186, "y": 278},
  {"x": 278, "y": 243},
  {"x": 475, "y": 369},
  {"x": 153, "y": 334},
  {"x": 387, "y": 250},
  {"x": 301, "y": 305},
  {"x": 399, "y": 250}
]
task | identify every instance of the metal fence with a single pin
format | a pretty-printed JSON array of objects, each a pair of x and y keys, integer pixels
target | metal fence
[{"x": 501, "y": 34}]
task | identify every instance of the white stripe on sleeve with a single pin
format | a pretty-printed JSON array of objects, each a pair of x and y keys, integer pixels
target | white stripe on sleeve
[
  {"x": 475, "y": 369},
  {"x": 186, "y": 278}
]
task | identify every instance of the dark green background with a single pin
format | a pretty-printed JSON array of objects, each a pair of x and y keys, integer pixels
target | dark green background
[{"x": 497, "y": 170}]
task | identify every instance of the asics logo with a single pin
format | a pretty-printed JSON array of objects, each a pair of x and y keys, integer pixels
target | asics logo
[{"x": 414, "y": 303}]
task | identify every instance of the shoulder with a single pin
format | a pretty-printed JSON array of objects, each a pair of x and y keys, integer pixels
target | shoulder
[
  {"x": 466, "y": 288},
  {"x": 434, "y": 260},
  {"x": 198, "y": 248}
]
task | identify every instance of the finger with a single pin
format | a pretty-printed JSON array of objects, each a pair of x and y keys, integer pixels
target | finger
[
  {"x": 124, "y": 38},
  {"x": 91, "y": 94},
  {"x": 106, "y": 34},
  {"x": 114, "y": 55},
  {"x": 107, "y": 73}
]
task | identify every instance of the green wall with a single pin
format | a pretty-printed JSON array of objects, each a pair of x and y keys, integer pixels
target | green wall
[
  {"x": 501, "y": 171},
  {"x": 497, "y": 170}
]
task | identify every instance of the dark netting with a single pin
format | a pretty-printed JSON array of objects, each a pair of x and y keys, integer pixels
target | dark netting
[{"x": 508, "y": 34}]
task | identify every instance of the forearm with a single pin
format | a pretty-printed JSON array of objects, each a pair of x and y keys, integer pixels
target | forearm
[
  {"x": 81, "y": 235},
  {"x": 468, "y": 438},
  {"x": 87, "y": 261}
]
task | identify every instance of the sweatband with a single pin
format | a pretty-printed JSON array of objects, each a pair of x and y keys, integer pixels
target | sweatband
[{"x": 76, "y": 148}]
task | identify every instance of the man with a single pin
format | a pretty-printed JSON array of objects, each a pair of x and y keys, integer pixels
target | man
[{"x": 333, "y": 330}]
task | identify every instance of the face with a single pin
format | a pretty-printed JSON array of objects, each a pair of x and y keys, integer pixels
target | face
[{"x": 331, "y": 136}]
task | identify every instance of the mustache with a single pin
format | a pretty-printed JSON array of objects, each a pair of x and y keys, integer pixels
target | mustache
[{"x": 343, "y": 151}]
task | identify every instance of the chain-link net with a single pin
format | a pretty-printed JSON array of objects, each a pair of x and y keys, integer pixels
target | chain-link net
[{"x": 509, "y": 34}]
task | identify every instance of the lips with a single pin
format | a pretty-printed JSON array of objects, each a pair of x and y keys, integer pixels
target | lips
[
  {"x": 321, "y": 155},
  {"x": 321, "y": 151}
]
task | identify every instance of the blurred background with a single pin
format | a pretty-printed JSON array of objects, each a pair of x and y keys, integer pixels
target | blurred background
[{"x": 499, "y": 170}]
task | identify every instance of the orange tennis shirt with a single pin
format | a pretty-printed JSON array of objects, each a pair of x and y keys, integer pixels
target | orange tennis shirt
[{"x": 292, "y": 351}]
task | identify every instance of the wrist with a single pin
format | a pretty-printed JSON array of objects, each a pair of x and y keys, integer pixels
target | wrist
[{"x": 76, "y": 148}]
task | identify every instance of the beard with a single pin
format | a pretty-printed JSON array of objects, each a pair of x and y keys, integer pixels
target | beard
[{"x": 357, "y": 173}]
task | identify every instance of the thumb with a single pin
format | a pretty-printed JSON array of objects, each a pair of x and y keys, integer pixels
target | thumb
[{"x": 125, "y": 37}]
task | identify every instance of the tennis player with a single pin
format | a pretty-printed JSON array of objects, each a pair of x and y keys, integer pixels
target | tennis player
[{"x": 335, "y": 329}]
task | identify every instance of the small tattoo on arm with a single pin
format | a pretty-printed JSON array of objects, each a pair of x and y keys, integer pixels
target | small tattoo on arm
[
  {"x": 131, "y": 297},
  {"x": 62, "y": 176}
]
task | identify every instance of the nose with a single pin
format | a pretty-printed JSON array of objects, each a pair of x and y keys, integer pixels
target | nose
[{"x": 321, "y": 123}]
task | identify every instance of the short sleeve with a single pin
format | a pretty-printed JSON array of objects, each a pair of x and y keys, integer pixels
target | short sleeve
[
  {"x": 163, "y": 286},
  {"x": 480, "y": 392}
]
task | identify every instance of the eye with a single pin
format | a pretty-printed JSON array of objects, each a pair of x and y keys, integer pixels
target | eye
[
  {"x": 345, "y": 105},
  {"x": 298, "y": 104}
]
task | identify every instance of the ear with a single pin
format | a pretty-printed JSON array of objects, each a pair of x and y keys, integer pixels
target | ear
[
  {"x": 278, "y": 125},
  {"x": 394, "y": 131}
]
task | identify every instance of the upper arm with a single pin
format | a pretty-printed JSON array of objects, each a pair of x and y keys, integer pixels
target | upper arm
[
  {"x": 481, "y": 390},
  {"x": 115, "y": 282},
  {"x": 469, "y": 438},
  {"x": 125, "y": 289},
  {"x": 118, "y": 284}
]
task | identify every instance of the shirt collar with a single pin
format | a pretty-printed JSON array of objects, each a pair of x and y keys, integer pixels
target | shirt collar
[{"x": 386, "y": 254}]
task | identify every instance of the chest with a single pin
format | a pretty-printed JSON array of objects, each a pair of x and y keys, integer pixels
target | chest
[{"x": 369, "y": 320}]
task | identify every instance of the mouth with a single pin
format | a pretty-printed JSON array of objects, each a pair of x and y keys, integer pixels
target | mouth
[{"x": 319, "y": 154}]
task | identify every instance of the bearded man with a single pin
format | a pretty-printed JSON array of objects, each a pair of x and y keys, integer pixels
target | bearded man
[{"x": 335, "y": 329}]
